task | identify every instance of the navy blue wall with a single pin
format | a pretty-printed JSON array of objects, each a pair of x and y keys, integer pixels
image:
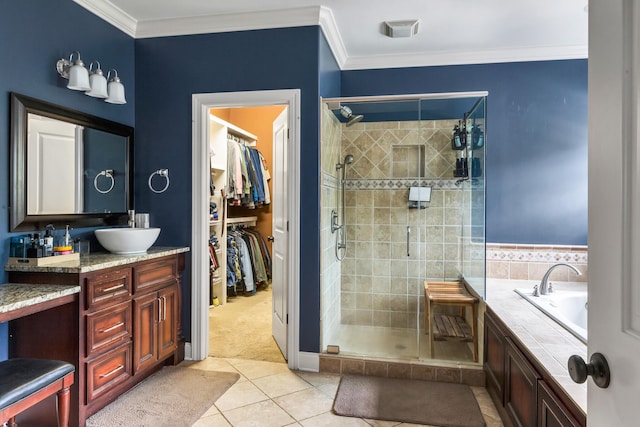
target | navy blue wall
[
  {"x": 536, "y": 142},
  {"x": 536, "y": 165},
  {"x": 169, "y": 70},
  {"x": 34, "y": 34}
]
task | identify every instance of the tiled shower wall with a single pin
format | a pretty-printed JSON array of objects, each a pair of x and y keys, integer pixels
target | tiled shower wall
[
  {"x": 330, "y": 266},
  {"x": 381, "y": 284}
]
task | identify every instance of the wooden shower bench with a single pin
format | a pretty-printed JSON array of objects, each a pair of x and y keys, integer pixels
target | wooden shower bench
[{"x": 447, "y": 327}]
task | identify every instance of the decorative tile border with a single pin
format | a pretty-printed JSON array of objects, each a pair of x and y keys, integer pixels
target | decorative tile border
[
  {"x": 394, "y": 184},
  {"x": 534, "y": 253},
  {"x": 530, "y": 262}
]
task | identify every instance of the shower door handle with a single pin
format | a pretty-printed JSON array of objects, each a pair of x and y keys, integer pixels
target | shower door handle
[{"x": 408, "y": 238}]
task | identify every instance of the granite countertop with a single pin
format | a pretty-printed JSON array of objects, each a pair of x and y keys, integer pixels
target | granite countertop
[
  {"x": 14, "y": 296},
  {"x": 546, "y": 340},
  {"x": 98, "y": 261}
]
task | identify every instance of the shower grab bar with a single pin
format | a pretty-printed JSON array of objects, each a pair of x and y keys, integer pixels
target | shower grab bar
[{"x": 408, "y": 237}]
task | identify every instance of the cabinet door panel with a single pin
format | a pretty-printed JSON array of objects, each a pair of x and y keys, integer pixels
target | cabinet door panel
[
  {"x": 145, "y": 311},
  {"x": 167, "y": 327},
  {"x": 494, "y": 358},
  {"x": 520, "y": 392},
  {"x": 551, "y": 412}
]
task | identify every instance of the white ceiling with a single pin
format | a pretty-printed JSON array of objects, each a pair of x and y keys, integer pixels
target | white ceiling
[{"x": 451, "y": 31}]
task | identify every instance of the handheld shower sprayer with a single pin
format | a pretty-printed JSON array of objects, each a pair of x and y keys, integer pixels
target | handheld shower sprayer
[{"x": 341, "y": 237}]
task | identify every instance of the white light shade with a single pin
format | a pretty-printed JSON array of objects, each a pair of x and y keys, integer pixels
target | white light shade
[
  {"x": 116, "y": 93},
  {"x": 78, "y": 77},
  {"x": 98, "y": 86}
]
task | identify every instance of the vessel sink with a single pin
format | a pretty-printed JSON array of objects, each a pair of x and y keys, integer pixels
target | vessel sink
[{"x": 127, "y": 241}]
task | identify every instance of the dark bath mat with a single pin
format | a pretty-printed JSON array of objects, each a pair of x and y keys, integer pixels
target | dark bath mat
[{"x": 409, "y": 401}]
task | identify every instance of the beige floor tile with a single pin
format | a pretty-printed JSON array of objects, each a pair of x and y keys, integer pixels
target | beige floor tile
[
  {"x": 253, "y": 369},
  {"x": 281, "y": 384},
  {"x": 305, "y": 404},
  {"x": 211, "y": 411},
  {"x": 262, "y": 414},
  {"x": 216, "y": 420},
  {"x": 329, "y": 419},
  {"x": 319, "y": 378},
  {"x": 240, "y": 394},
  {"x": 379, "y": 423},
  {"x": 213, "y": 364},
  {"x": 329, "y": 389}
]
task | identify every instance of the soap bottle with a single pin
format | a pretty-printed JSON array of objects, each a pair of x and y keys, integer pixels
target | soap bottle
[{"x": 48, "y": 241}]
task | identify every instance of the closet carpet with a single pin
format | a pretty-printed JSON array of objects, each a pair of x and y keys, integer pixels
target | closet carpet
[{"x": 241, "y": 328}]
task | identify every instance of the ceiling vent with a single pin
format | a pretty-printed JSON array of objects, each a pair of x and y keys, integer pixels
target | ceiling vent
[{"x": 396, "y": 29}]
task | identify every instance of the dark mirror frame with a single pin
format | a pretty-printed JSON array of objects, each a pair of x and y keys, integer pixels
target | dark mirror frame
[{"x": 19, "y": 220}]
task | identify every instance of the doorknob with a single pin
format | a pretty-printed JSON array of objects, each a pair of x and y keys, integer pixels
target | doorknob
[
  {"x": 597, "y": 367},
  {"x": 270, "y": 238}
]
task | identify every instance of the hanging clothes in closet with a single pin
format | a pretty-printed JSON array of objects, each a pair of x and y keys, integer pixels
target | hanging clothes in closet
[
  {"x": 248, "y": 261},
  {"x": 247, "y": 175}
]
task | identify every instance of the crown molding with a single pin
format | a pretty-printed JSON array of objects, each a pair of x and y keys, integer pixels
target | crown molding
[
  {"x": 322, "y": 16},
  {"x": 296, "y": 17},
  {"x": 112, "y": 14},
  {"x": 466, "y": 57},
  {"x": 332, "y": 34}
]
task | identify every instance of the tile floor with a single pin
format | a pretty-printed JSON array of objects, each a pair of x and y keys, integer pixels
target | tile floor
[{"x": 269, "y": 394}]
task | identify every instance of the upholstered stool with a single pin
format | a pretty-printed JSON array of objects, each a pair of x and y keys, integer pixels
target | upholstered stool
[{"x": 25, "y": 382}]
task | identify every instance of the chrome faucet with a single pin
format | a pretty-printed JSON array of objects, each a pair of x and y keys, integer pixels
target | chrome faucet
[
  {"x": 132, "y": 218},
  {"x": 545, "y": 286}
]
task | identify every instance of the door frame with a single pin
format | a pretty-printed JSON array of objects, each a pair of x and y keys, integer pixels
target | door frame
[{"x": 198, "y": 348}]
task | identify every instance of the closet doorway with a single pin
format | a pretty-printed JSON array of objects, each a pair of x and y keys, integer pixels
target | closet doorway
[
  {"x": 236, "y": 318},
  {"x": 248, "y": 149}
]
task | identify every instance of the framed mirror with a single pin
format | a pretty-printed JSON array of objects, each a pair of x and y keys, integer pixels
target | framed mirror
[{"x": 67, "y": 167}]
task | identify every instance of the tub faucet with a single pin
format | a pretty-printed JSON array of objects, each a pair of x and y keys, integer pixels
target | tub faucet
[{"x": 545, "y": 286}]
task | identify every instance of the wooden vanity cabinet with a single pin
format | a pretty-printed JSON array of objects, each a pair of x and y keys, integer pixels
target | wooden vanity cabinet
[
  {"x": 127, "y": 325},
  {"x": 525, "y": 395},
  {"x": 155, "y": 332}
]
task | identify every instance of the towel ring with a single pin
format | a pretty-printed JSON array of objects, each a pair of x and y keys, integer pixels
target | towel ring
[
  {"x": 109, "y": 174},
  {"x": 160, "y": 172}
]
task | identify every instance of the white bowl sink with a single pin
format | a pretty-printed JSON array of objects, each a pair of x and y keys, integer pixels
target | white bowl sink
[{"x": 127, "y": 241}]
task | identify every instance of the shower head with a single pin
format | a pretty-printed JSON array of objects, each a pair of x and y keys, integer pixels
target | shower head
[{"x": 348, "y": 114}]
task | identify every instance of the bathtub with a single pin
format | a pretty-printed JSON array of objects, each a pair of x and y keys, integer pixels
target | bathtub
[{"x": 567, "y": 308}]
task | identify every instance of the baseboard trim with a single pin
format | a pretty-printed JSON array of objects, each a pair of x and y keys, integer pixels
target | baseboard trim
[
  {"x": 187, "y": 351},
  {"x": 308, "y": 361}
]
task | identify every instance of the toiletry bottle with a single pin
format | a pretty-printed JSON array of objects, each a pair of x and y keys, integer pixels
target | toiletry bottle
[
  {"x": 48, "y": 241},
  {"x": 67, "y": 237}
]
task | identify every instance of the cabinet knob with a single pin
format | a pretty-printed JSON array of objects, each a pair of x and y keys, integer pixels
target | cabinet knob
[
  {"x": 270, "y": 238},
  {"x": 597, "y": 367}
]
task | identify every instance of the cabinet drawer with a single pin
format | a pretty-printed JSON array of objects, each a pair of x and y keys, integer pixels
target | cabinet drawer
[
  {"x": 107, "y": 371},
  {"x": 108, "y": 327},
  {"x": 155, "y": 274},
  {"x": 109, "y": 287}
]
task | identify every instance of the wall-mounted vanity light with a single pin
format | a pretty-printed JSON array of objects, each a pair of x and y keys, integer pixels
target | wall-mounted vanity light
[
  {"x": 91, "y": 81},
  {"x": 162, "y": 173}
]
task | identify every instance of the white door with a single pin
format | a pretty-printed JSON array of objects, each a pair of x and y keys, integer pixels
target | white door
[
  {"x": 614, "y": 209},
  {"x": 280, "y": 246}
]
